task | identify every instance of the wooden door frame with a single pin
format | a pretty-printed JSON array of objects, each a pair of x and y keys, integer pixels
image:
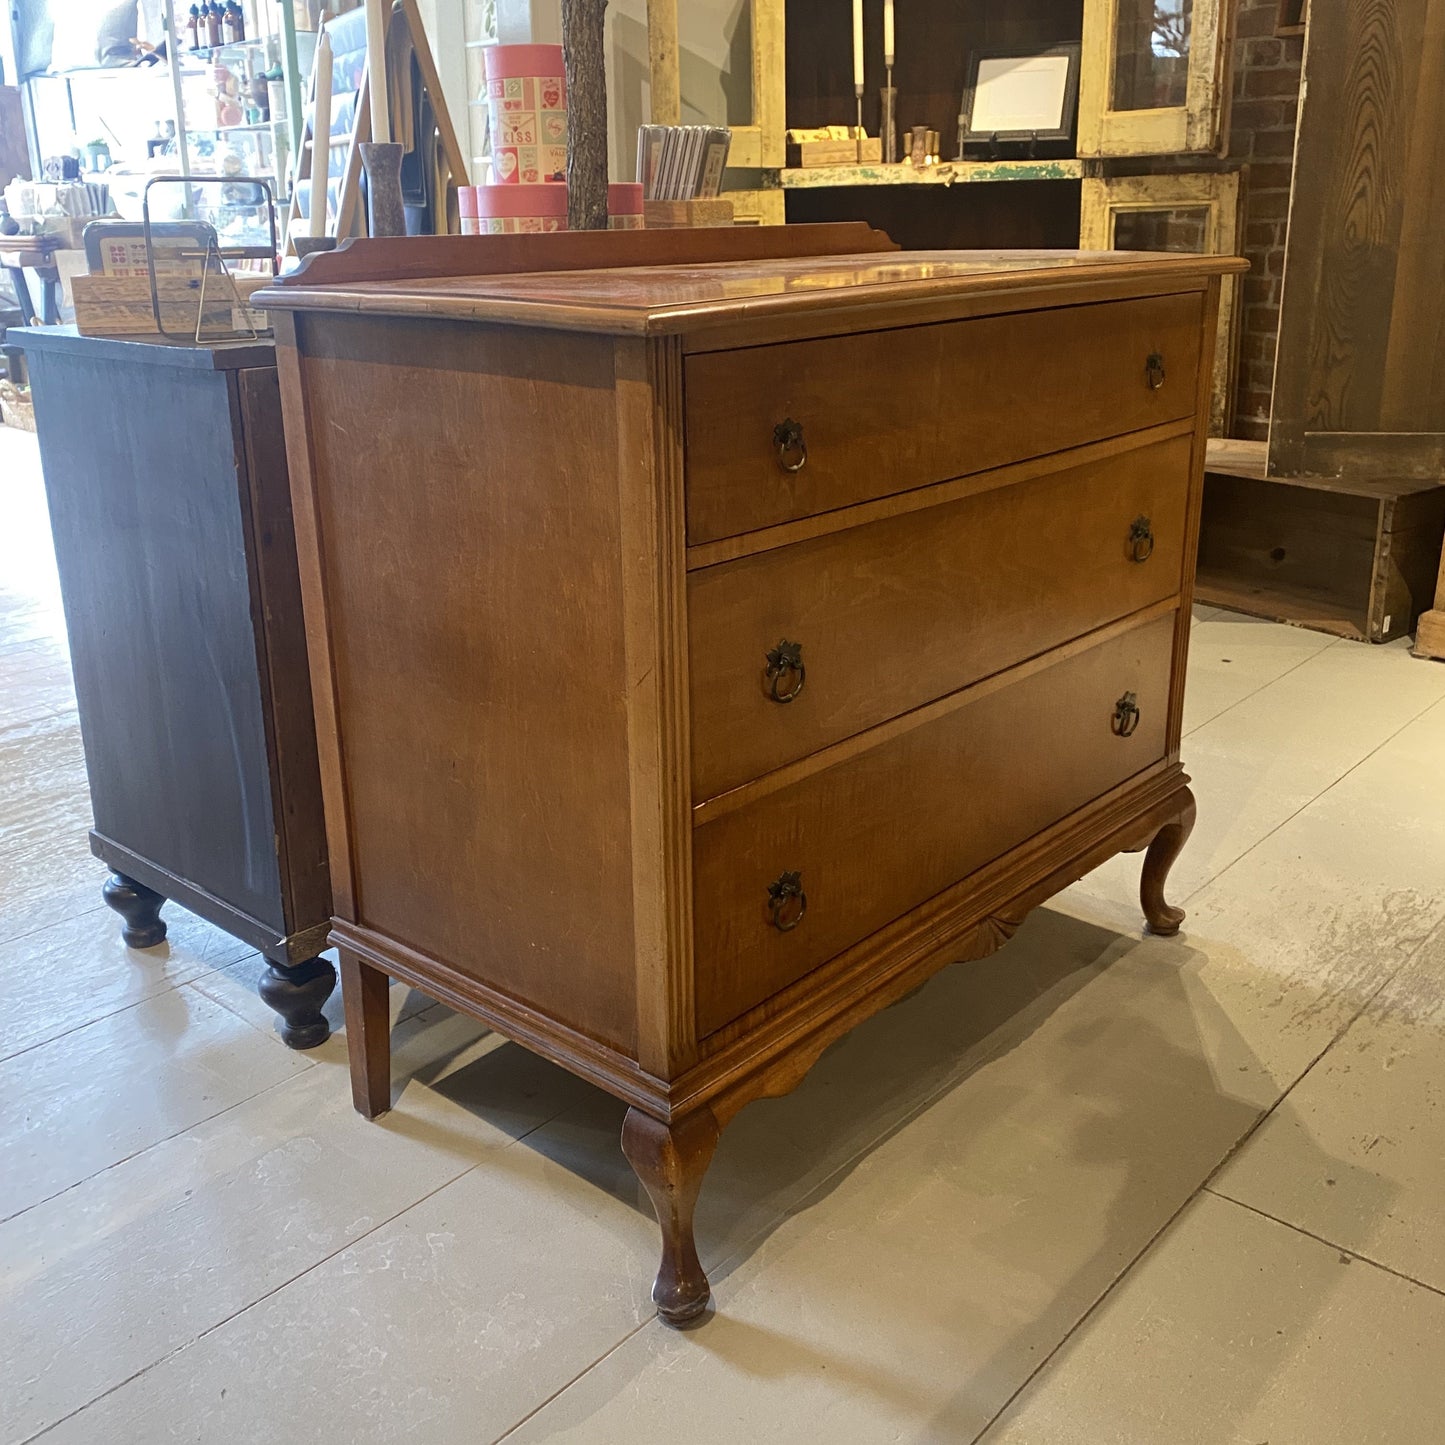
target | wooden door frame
[
  {"x": 761, "y": 143},
  {"x": 1196, "y": 127}
]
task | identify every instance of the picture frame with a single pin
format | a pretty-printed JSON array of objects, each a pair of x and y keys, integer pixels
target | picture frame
[{"x": 1008, "y": 90}]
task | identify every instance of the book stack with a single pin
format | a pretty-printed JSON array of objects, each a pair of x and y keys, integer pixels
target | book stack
[{"x": 682, "y": 162}]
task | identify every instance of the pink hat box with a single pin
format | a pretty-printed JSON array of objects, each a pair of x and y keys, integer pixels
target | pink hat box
[
  {"x": 624, "y": 206},
  {"x": 527, "y": 108},
  {"x": 467, "y": 209},
  {"x": 510, "y": 208}
]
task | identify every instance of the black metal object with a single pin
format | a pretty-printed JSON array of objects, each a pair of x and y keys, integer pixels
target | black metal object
[
  {"x": 1126, "y": 715},
  {"x": 1141, "y": 539},
  {"x": 792, "y": 449},
  {"x": 785, "y": 660},
  {"x": 787, "y": 903},
  {"x": 1154, "y": 370}
]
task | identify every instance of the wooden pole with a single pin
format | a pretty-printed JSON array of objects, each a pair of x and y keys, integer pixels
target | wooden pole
[
  {"x": 582, "y": 58},
  {"x": 378, "y": 13}
]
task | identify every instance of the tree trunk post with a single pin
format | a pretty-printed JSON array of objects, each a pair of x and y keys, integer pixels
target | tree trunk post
[{"x": 582, "y": 58}]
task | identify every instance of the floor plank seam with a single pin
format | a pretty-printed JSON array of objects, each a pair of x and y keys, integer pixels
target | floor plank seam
[
  {"x": 126, "y": 1007},
  {"x": 1264, "y": 686},
  {"x": 1322, "y": 1239},
  {"x": 155, "y": 1143},
  {"x": 286, "y": 1283},
  {"x": 1304, "y": 807},
  {"x": 48, "y": 924},
  {"x": 1205, "y": 1186}
]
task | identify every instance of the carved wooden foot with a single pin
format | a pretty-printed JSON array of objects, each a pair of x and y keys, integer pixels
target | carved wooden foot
[
  {"x": 1168, "y": 843},
  {"x": 670, "y": 1160},
  {"x": 368, "y": 1034},
  {"x": 139, "y": 906},
  {"x": 297, "y": 993}
]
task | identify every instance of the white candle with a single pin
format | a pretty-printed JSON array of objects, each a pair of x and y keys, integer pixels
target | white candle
[
  {"x": 378, "y": 14},
  {"x": 858, "y": 44},
  {"x": 321, "y": 135},
  {"x": 888, "y": 31}
]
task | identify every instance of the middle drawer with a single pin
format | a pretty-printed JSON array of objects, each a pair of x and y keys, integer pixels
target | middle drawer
[{"x": 868, "y": 623}]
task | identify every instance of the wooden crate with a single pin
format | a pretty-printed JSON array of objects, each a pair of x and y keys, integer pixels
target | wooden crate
[
  {"x": 1355, "y": 557},
  {"x": 675, "y": 215},
  {"x": 121, "y": 305}
]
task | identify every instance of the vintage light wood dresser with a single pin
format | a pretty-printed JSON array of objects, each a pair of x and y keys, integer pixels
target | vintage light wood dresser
[{"x": 704, "y": 654}]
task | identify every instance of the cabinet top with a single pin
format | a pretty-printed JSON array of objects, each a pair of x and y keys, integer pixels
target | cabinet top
[{"x": 664, "y": 300}]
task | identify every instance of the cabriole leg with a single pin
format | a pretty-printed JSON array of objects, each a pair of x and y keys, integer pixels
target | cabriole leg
[
  {"x": 368, "y": 1034},
  {"x": 1168, "y": 843},
  {"x": 671, "y": 1160},
  {"x": 296, "y": 993},
  {"x": 139, "y": 907}
]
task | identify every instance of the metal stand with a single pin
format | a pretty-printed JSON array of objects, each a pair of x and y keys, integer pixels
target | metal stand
[
  {"x": 890, "y": 121},
  {"x": 858, "y": 134}
]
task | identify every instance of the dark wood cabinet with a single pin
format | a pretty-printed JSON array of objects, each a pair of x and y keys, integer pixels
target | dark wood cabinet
[{"x": 165, "y": 470}]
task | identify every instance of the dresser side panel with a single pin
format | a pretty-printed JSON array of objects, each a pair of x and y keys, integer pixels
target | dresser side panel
[{"x": 467, "y": 504}]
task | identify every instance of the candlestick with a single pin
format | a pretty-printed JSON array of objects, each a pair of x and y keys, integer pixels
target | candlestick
[
  {"x": 888, "y": 32},
  {"x": 321, "y": 135},
  {"x": 890, "y": 119},
  {"x": 858, "y": 45},
  {"x": 858, "y": 91}
]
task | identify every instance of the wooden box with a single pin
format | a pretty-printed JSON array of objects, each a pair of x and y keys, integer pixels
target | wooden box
[
  {"x": 678, "y": 215},
  {"x": 1355, "y": 557}
]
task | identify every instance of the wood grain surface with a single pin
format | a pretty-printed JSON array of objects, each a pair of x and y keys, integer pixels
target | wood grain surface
[
  {"x": 885, "y": 411},
  {"x": 468, "y": 509},
  {"x": 893, "y": 614},
  {"x": 892, "y": 826}
]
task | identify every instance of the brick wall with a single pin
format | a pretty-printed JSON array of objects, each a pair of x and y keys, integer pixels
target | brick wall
[{"x": 1262, "y": 126}]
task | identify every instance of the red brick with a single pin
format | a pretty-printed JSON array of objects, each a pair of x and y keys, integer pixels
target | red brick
[
  {"x": 1274, "y": 144},
  {"x": 1262, "y": 115},
  {"x": 1283, "y": 81},
  {"x": 1270, "y": 176},
  {"x": 1260, "y": 235},
  {"x": 1255, "y": 20},
  {"x": 1270, "y": 207}
]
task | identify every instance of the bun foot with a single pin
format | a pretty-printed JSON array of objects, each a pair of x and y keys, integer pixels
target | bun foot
[
  {"x": 670, "y": 1161},
  {"x": 297, "y": 993},
  {"x": 1163, "y": 918},
  {"x": 139, "y": 907}
]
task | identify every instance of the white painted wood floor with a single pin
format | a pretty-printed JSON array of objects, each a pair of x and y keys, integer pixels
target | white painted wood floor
[{"x": 1099, "y": 1188}]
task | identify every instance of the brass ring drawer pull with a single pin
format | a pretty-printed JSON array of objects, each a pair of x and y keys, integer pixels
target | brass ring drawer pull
[
  {"x": 1141, "y": 539},
  {"x": 1126, "y": 715},
  {"x": 787, "y": 903},
  {"x": 1154, "y": 370},
  {"x": 785, "y": 661},
  {"x": 792, "y": 449}
]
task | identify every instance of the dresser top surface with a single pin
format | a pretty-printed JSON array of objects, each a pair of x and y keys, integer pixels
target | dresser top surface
[{"x": 663, "y": 300}]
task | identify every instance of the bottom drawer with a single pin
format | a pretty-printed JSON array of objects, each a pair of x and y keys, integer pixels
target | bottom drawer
[{"x": 882, "y": 831}]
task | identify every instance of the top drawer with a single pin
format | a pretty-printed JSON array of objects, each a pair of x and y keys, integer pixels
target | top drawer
[{"x": 884, "y": 411}]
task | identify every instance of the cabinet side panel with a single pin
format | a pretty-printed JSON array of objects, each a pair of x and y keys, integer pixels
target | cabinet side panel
[
  {"x": 467, "y": 503},
  {"x": 144, "y": 475}
]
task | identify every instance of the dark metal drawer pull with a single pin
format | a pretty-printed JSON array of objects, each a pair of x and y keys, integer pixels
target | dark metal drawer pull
[
  {"x": 785, "y": 660},
  {"x": 787, "y": 902},
  {"x": 1126, "y": 715},
  {"x": 1154, "y": 370},
  {"x": 1141, "y": 539},
  {"x": 792, "y": 449}
]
